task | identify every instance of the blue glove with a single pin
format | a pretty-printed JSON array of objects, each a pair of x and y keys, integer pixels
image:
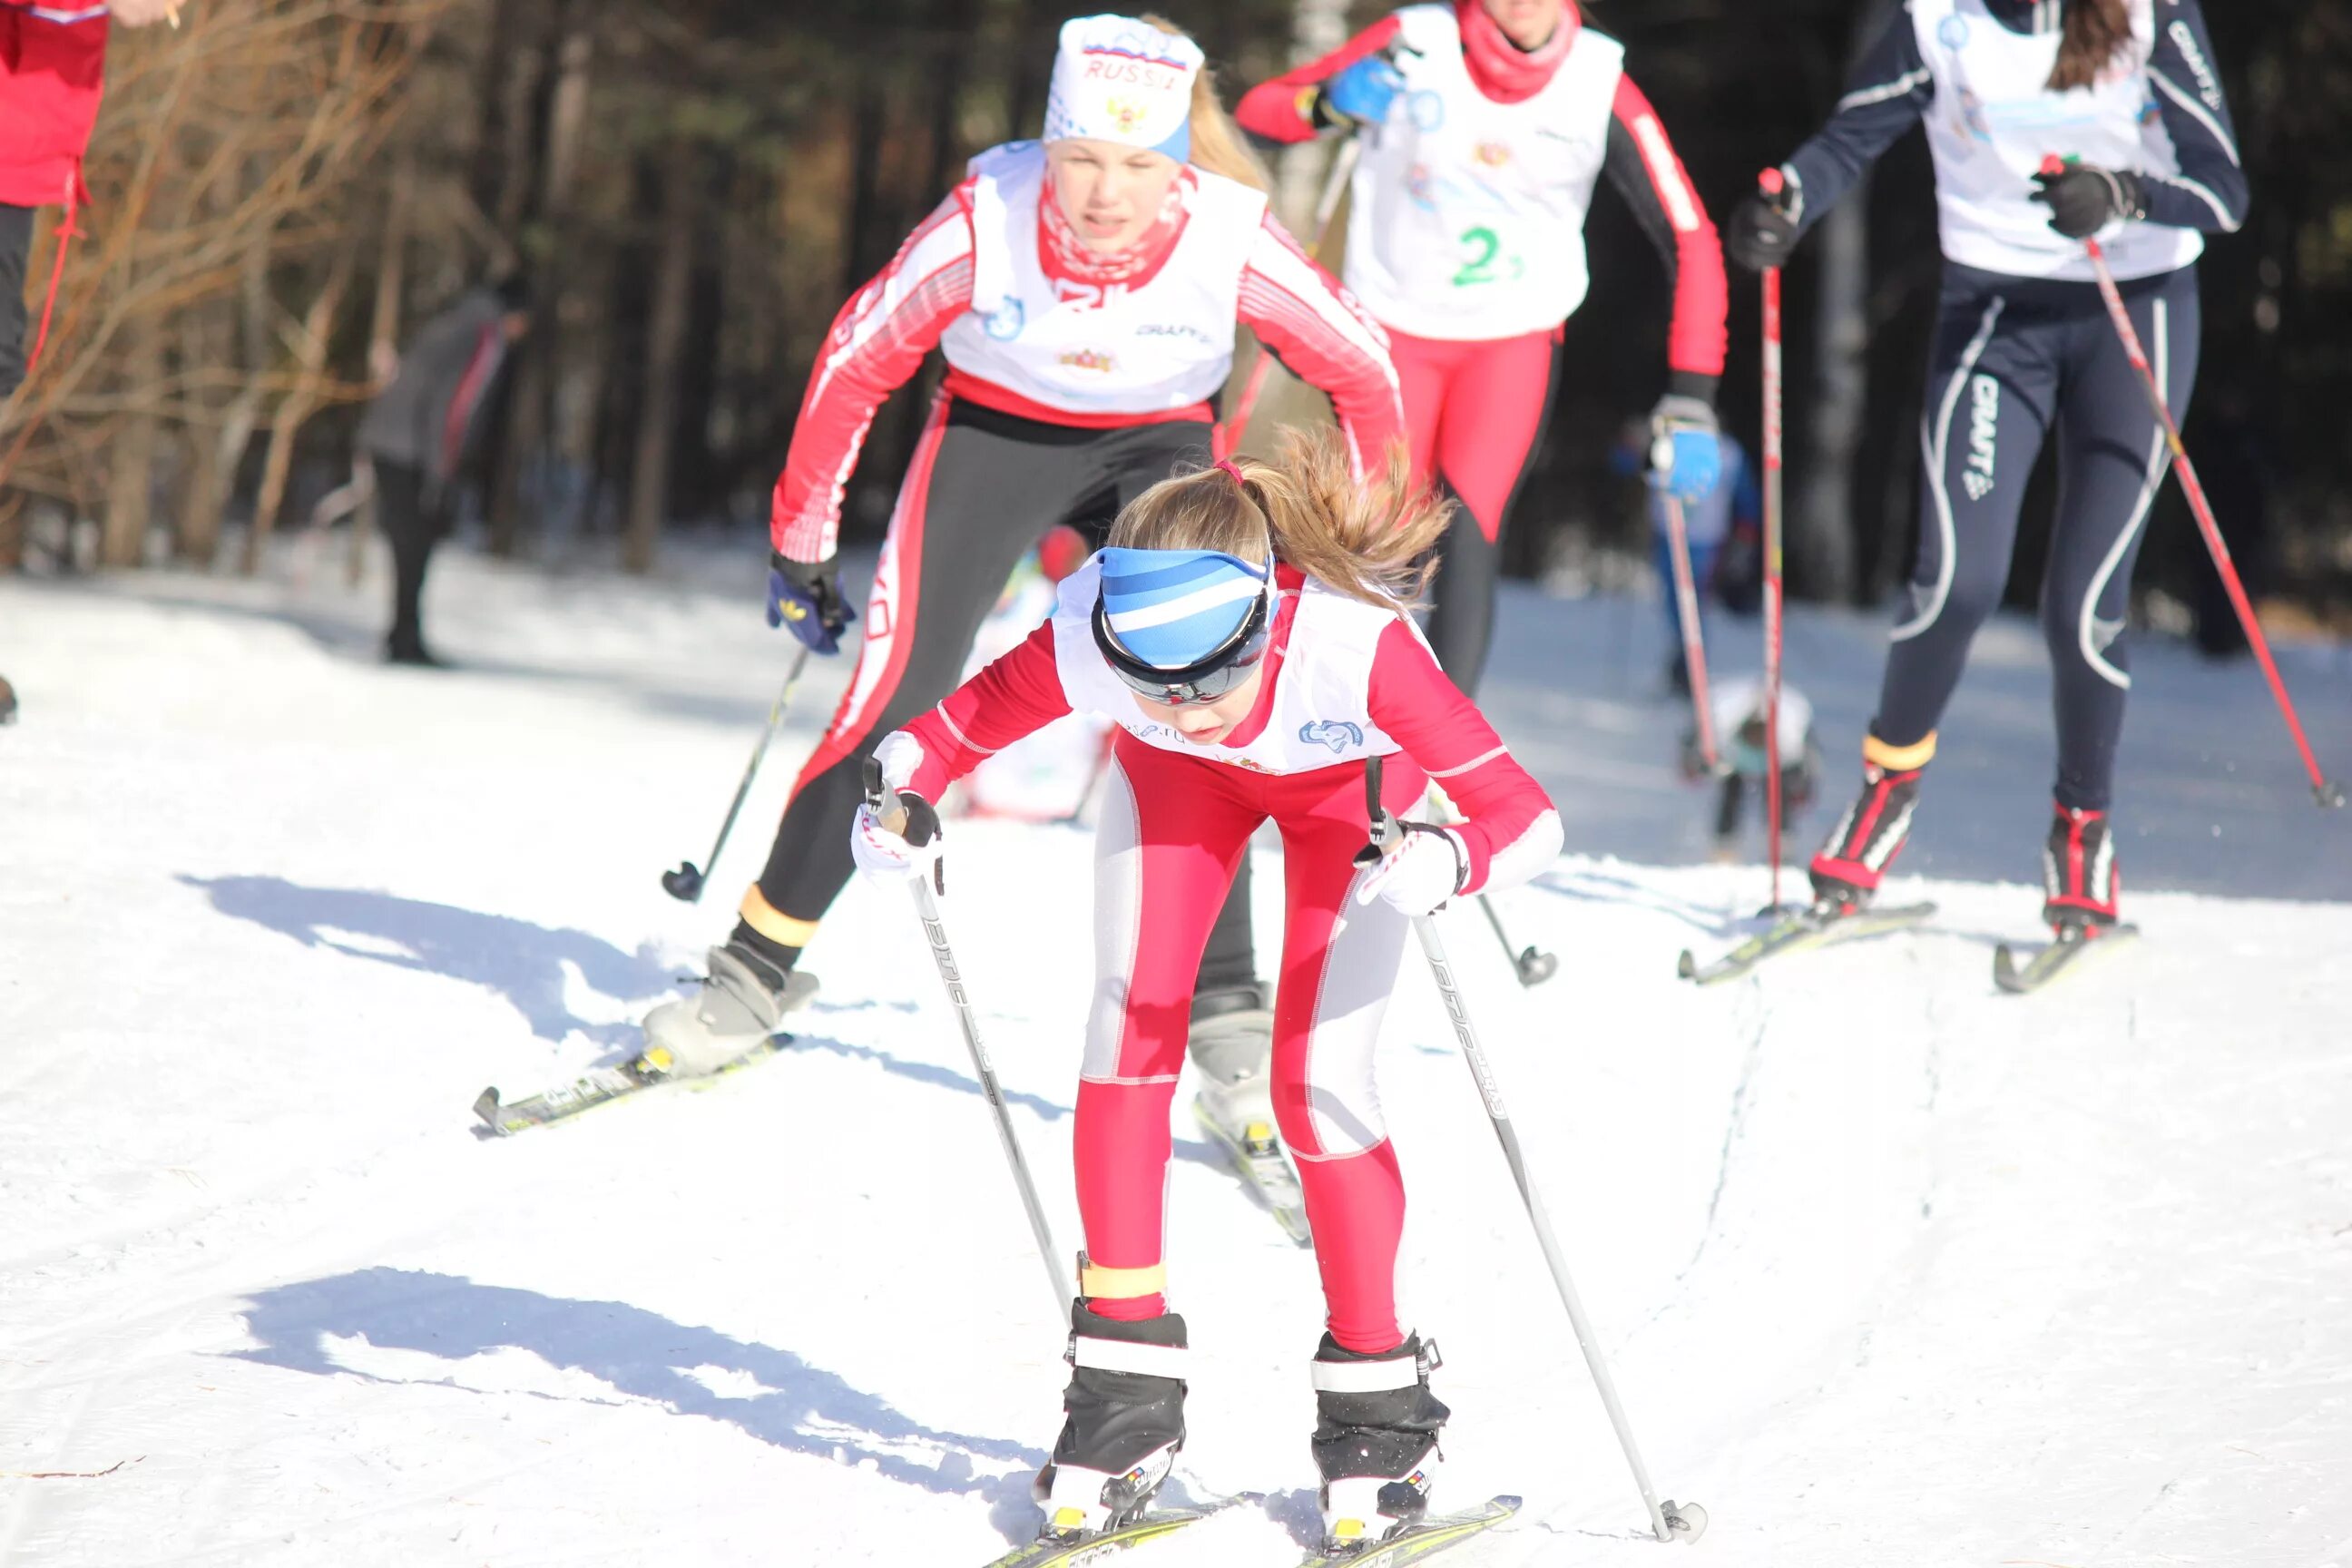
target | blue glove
[
  {"x": 806, "y": 597},
  {"x": 1685, "y": 459},
  {"x": 1364, "y": 92}
]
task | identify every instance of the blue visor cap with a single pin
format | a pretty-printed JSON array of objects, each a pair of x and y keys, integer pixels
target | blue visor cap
[{"x": 1173, "y": 608}]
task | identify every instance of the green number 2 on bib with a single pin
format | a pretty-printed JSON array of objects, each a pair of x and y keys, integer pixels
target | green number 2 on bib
[{"x": 1480, "y": 267}]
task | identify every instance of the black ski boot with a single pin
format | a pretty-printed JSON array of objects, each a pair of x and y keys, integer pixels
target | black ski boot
[
  {"x": 2081, "y": 882},
  {"x": 1125, "y": 1405},
  {"x": 1375, "y": 1439},
  {"x": 1846, "y": 871}
]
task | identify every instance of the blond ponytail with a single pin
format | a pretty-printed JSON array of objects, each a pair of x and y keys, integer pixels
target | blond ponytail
[
  {"x": 1371, "y": 539},
  {"x": 1218, "y": 145}
]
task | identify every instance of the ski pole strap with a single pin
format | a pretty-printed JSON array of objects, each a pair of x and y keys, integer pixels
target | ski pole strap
[{"x": 1382, "y": 826}]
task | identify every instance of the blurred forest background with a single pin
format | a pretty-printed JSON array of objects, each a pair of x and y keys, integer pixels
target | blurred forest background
[{"x": 283, "y": 187}]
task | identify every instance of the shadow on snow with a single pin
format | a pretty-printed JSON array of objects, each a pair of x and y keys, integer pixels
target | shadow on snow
[
  {"x": 521, "y": 962},
  {"x": 798, "y": 1407}
]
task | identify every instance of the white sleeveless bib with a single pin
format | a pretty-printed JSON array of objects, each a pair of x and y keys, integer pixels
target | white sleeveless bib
[
  {"x": 1079, "y": 347},
  {"x": 1322, "y": 714},
  {"x": 1992, "y": 122},
  {"x": 1467, "y": 217}
]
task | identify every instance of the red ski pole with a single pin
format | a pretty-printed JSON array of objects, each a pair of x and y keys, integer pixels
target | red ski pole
[
  {"x": 1343, "y": 166},
  {"x": 1771, "y": 184},
  {"x": 2327, "y": 794}
]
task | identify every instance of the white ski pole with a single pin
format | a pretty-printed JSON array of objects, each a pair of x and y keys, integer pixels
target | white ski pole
[
  {"x": 1669, "y": 1521},
  {"x": 899, "y": 819}
]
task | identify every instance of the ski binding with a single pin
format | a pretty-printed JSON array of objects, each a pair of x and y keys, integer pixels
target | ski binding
[
  {"x": 2042, "y": 965},
  {"x": 1809, "y": 928},
  {"x": 1066, "y": 1549},
  {"x": 1256, "y": 1155},
  {"x": 1417, "y": 1543}
]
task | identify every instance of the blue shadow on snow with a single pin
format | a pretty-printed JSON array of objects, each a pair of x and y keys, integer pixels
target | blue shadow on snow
[
  {"x": 798, "y": 1407},
  {"x": 522, "y": 962}
]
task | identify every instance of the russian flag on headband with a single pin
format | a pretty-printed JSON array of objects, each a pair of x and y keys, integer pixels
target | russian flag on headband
[{"x": 1171, "y": 608}]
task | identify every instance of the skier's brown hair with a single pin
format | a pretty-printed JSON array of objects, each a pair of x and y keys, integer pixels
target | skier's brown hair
[
  {"x": 1371, "y": 539},
  {"x": 2097, "y": 33},
  {"x": 1218, "y": 144}
]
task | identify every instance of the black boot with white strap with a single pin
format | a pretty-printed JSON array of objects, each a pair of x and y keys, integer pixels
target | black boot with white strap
[
  {"x": 1125, "y": 1405},
  {"x": 1375, "y": 1439}
]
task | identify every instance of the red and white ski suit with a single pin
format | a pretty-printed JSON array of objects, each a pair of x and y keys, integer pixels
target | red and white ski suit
[
  {"x": 1345, "y": 680},
  {"x": 1467, "y": 243},
  {"x": 1074, "y": 383}
]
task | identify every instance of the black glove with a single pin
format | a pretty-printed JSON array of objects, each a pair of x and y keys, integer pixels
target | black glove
[
  {"x": 1761, "y": 232},
  {"x": 2084, "y": 198},
  {"x": 806, "y": 597}
]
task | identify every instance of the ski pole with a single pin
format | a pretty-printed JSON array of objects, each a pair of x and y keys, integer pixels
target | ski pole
[
  {"x": 1327, "y": 208},
  {"x": 1669, "y": 1521},
  {"x": 1772, "y": 183},
  {"x": 2327, "y": 794},
  {"x": 900, "y": 819},
  {"x": 1533, "y": 964},
  {"x": 686, "y": 882},
  {"x": 1694, "y": 640}
]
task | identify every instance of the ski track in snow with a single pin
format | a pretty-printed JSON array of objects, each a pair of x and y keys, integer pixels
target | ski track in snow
[{"x": 1891, "y": 1269}]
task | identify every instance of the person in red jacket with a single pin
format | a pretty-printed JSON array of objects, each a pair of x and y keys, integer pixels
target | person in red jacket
[
  {"x": 52, "y": 72},
  {"x": 1485, "y": 127},
  {"x": 1084, "y": 291},
  {"x": 1248, "y": 629}
]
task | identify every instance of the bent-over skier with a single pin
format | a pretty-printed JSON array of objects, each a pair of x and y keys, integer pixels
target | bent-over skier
[{"x": 1248, "y": 629}]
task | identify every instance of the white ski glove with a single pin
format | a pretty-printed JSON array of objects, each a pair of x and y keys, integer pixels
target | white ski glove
[
  {"x": 1419, "y": 872},
  {"x": 887, "y": 852},
  {"x": 889, "y": 857}
]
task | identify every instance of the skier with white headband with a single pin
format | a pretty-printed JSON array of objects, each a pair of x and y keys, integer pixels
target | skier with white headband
[
  {"x": 1248, "y": 629},
  {"x": 1085, "y": 291},
  {"x": 1485, "y": 126},
  {"x": 2025, "y": 349}
]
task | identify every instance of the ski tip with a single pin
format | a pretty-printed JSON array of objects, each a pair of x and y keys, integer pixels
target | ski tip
[
  {"x": 485, "y": 1105},
  {"x": 1686, "y": 966},
  {"x": 2004, "y": 968}
]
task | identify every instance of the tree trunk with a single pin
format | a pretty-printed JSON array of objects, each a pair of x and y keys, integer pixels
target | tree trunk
[
  {"x": 1317, "y": 27},
  {"x": 665, "y": 345},
  {"x": 295, "y": 410},
  {"x": 532, "y": 414},
  {"x": 383, "y": 335},
  {"x": 131, "y": 481},
  {"x": 1823, "y": 544}
]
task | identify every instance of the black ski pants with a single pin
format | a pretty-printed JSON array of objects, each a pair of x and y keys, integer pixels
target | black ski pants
[
  {"x": 982, "y": 487},
  {"x": 2014, "y": 359},
  {"x": 409, "y": 507},
  {"x": 16, "y": 247}
]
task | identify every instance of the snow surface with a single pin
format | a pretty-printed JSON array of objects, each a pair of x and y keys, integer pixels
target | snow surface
[{"x": 1892, "y": 1270}]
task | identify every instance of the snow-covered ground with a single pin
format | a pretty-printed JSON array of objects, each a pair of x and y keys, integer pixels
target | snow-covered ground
[{"x": 1893, "y": 1270}]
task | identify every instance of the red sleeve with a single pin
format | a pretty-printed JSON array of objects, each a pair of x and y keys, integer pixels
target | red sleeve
[
  {"x": 1283, "y": 110},
  {"x": 1015, "y": 696},
  {"x": 1653, "y": 181},
  {"x": 876, "y": 344},
  {"x": 1509, "y": 826},
  {"x": 1307, "y": 319},
  {"x": 52, "y": 75}
]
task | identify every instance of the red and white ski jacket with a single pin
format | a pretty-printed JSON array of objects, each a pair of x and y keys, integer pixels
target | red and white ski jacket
[
  {"x": 52, "y": 72},
  {"x": 1470, "y": 201},
  {"x": 1167, "y": 339},
  {"x": 1344, "y": 680}
]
